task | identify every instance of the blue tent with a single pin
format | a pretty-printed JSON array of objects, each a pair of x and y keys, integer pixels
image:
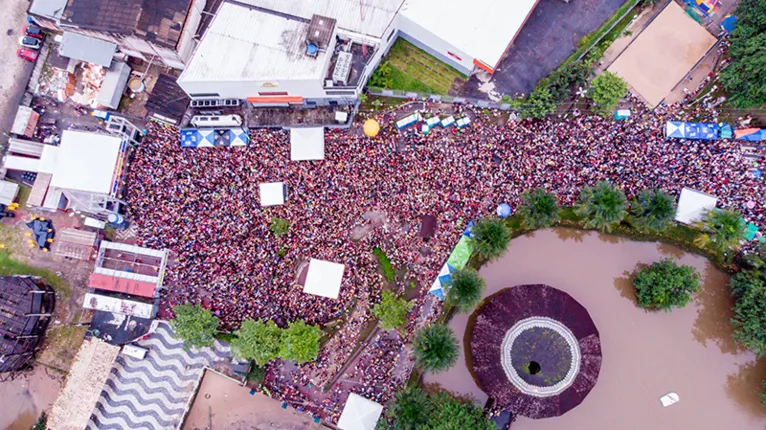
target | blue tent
[
  {"x": 504, "y": 210},
  {"x": 691, "y": 130},
  {"x": 728, "y": 22},
  {"x": 726, "y": 131},
  {"x": 751, "y": 134}
]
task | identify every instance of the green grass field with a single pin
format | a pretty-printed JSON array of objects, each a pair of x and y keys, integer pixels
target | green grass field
[{"x": 412, "y": 69}]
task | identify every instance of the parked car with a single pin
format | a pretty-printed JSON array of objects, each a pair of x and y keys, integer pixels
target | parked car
[
  {"x": 27, "y": 54},
  {"x": 30, "y": 42},
  {"x": 33, "y": 31}
]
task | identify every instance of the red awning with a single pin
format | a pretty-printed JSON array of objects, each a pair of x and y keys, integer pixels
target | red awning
[
  {"x": 482, "y": 65},
  {"x": 275, "y": 99},
  {"x": 121, "y": 285}
]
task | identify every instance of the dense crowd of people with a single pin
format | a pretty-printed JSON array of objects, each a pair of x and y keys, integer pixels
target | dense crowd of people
[{"x": 203, "y": 204}]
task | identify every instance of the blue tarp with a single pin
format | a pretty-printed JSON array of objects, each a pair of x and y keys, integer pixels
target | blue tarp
[
  {"x": 728, "y": 23},
  {"x": 208, "y": 137},
  {"x": 691, "y": 130},
  {"x": 751, "y": 136}
]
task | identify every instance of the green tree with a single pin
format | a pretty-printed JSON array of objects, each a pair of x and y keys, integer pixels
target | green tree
[
  {"x": 749, "y": 321},
  {"x": 744, "y": 79},
  {"x": 561, "y": 80},
  {"x": 538, "y": 208},
  {"x": 538, "y": 105},
  {"x": 409, "y": 410},
  {"x": 300, "y": 342},
  {"x": 436, "y": 348},
  {"x": 602, "y": 207},
  {"x": 42, "y": 422},
  {"x": 605, "y": 92},
  {"x": 652, "y": 210},
  {"x": 451, "y": 413},
  {"x": 722, "y": 230},
  {"x": 194, "y": 325},
  {"x": 279, "y": 226},
  {"x": 258, "y": 341},
  {"x": 392, "y": 311},
  {"x": 665, "y": 284},
  {"x": 465, "y": 292},
  {"x": 490, "y": 238}
]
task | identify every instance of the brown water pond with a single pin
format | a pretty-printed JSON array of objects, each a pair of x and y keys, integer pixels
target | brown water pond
[
  {"x": 645, "y": 354},
  {"x": 23, "y": 399}
]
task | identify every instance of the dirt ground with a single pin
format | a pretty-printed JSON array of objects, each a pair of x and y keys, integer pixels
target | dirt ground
[
  {"x": 14, "y": 72},
  {"x": 223, "y": 404},
  {"x": 24, "y": 398},
  {"x": 654, "y": 72}
]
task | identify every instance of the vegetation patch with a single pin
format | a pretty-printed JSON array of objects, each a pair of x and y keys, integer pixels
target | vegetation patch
[
  {"x": 60, "y": 345},
  {"x": 385, "y": 264},
  {"x": 11, "y": 266}
]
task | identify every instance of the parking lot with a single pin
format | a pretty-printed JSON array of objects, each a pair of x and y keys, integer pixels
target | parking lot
[
  {"x": 14, "y": 72},
  {"x": 549, "y": 36}
]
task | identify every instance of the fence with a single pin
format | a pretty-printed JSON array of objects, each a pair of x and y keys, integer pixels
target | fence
[{"x": 437, "y": 98}]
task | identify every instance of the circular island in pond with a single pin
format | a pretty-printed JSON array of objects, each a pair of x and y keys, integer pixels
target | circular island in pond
[{"x": 534, "y": 350}]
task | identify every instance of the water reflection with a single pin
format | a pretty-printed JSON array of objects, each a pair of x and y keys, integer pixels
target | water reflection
[
  {"x": 745, "y": 386},
  {"x": 566, "y": 234},
  {"x": 714, "y": 313}
]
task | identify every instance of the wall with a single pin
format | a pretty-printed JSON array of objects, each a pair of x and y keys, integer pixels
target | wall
[
  {"x": 306, "y": 88},
  {"x": 187, "y": 41},
  {"x": 433, "y": 44}
]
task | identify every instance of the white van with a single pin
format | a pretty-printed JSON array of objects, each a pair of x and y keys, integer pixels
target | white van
[{"x": 216, "y": 121}]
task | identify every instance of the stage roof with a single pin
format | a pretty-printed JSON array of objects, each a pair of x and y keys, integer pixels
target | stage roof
[
  {"x": 121, "y": 285},
  {"x": 85, "y": 161},
  {"x": 693, "y": 204},
  {"x": 119, "y": 306},
  {"x": 307, "y": 143},
  {"x": 324, "y": 278},
  {"x": 272, "y": 193},
  {"x": 359, "y": 414}
]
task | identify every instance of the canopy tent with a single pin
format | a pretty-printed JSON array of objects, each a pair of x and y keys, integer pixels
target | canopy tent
[
  {"x": 693, "y": 204},
  {"x": 751, "y": 231},
  {"x": 209, "y": 137},
  {"x": 324, "y": 278},
  {"x": 691, "y": 130},
  {"x": 728, "y": 23},
  {"x": 457, "y": 260},
  {"x": 750, "y": 134},
  {"x": 307, "y": 143},
  {"x": 726, "y": 131},
  {"x": 359, "y": 414},
  {"x": 272, "y": 193},
  {"x": 42, "y": 232}
]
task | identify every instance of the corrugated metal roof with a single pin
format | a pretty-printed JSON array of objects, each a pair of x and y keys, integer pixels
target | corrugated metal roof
[
  {"x": 482, "y": 29},
  {"x": 114, "y": 85},
  {"x": 39, "y": 189},
  {"x": 121, "y": 285},
  {"x": 87, "y": 49},
  {"x": 52, "y": 9},
  {"x": 244, "y": 44},
  {"x": 74, "y": 243},
  {"x": 371, "y": 17}
]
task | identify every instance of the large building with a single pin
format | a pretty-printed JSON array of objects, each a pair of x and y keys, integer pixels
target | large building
[{"x": 311, "y": 53}]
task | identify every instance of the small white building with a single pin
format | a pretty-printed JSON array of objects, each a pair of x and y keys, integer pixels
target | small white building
[
  {"x": 83, "y": 173},
  {"x": 324, "y": 278}
]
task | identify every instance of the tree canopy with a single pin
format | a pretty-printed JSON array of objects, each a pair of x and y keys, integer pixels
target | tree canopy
[
  {"x": 665, "y": 284},
  {"x": 300, "y": 342},
  {"x": 413, "y": 409},
  {"x": 436, "y": 348},
  {"x": 466, "y": 289},
  {"x": 722, "y": 230},
  {"x": 744, "y": 79},
  {"x": 195, "y": 325},
  {"x": 538, "y": 208},
  {"x": 652, "y": 210},
  {"x": 279, "y": 226},
  {"x": 749, "y": 321},
  {"x": 258, "y": 341},
  {"x": 602, "y": 207},
  {"x": 606, "y": 90},
  {"x": 538, "y": 105},
  {"x": 490, "y": 238},
  {"x": 392, "y": 311}
]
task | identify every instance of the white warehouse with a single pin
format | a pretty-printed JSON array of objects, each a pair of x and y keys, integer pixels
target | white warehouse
[{"x": 321, "y": 52}]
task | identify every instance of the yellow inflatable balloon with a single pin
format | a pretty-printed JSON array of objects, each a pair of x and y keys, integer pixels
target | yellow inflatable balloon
[{"x": 371, "y": 127}]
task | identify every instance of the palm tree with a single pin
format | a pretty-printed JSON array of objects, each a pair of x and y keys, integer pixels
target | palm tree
[
  {"x": 602, "y": 207},
  {"x": 435, "y": 348},
  {"x": 722, "y": 230},
  {"x": 490, "y": 238},
  {"x": 652, "y": 210},
  {"x": 539, "y": 208},
  {"x": 465, "y": 292},
  {"x": 409, "y": 409}
]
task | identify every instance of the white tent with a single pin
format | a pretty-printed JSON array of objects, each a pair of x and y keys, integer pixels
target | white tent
[
  {"x": 272, "y": 193},
  {"x": 324, "y": 278},
  {"x": 307, "y": 143},
  {"x": 693, "y": 204},
  {"x": 359, "y": 414}
]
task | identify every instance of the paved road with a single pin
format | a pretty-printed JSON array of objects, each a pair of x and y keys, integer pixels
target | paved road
[{"x": 14, "y": 72}]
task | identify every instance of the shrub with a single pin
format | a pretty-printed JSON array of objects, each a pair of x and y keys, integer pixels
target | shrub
[
  {"x": 665, "y": 284},
  {"x": 490, "y": 238},
  {"x": 392, "y": 311},
  {"x": 385, "y": 264},
  {"x": 279, "y": 226},
  {"x": 722, "y": 230}
]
